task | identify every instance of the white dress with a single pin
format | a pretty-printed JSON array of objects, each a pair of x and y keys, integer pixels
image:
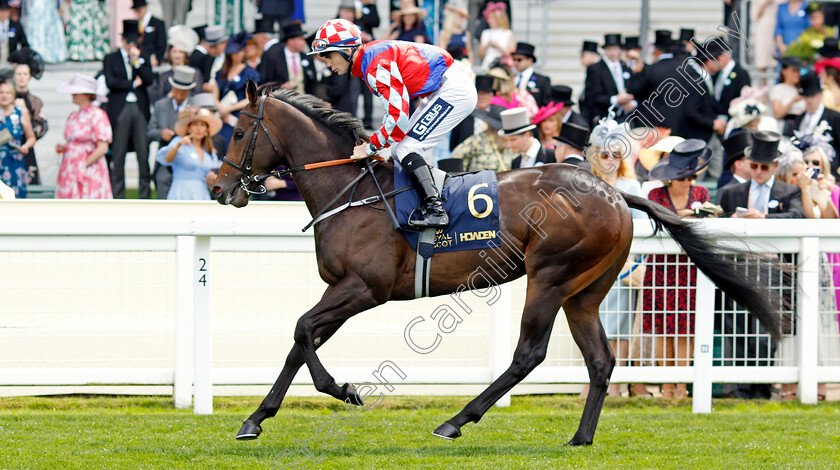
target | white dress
[
  {"x": 501, "y": 37},
  {"x": 45, "y": 30}
]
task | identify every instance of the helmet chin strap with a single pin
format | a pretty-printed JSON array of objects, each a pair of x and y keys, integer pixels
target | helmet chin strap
[{"x": 347, "y": 56}]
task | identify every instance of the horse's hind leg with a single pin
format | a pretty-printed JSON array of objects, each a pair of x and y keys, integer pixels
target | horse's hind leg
[{"x": 541, "y": 308}]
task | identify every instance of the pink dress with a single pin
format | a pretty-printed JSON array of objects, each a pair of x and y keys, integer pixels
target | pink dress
[{"x": 76, "y": 180}]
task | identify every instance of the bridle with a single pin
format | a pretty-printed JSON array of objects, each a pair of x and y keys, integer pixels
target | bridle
[{"x": 245, "y": 168}]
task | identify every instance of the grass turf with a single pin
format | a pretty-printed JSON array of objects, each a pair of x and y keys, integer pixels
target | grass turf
[{"x": 147, "y": 432}]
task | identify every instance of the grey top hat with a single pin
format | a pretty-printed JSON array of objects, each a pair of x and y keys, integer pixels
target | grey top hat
[
  {"x": 203, "y": 100},
  {"x": 182, "y": 78},
  {"x": 515, "y": 121},
  {"x": 215, "y": 34}
]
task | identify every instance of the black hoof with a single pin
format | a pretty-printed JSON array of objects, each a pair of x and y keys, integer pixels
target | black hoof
[
  {"x": 447, "y": 431},
  {"x": 248, "y": 431},
  {"x": 578, "y": 442},
  {"x": 352, "y": 395}
]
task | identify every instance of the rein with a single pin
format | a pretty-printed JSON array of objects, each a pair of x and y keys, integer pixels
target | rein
[{"x": 245, "y": 168}]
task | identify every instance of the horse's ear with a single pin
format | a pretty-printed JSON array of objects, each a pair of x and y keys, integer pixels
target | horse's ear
[{"x": 251, "y": 91}]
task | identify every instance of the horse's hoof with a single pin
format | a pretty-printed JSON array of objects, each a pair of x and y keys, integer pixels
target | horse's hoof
[
  {"x": 578, "y": 442},
  {"x": 353, "y": 396},
  {"x": 248, "y": 431},
  {"x": 447, "y": 431}
]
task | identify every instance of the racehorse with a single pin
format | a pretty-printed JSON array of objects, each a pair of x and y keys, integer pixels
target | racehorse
[{"x": 571, "y": 257}]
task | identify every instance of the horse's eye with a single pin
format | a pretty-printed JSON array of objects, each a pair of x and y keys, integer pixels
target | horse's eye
[{"x": 238, "y": 134}]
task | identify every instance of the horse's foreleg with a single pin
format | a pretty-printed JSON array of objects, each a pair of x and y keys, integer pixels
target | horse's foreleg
[{"x": 541, "y": 308}]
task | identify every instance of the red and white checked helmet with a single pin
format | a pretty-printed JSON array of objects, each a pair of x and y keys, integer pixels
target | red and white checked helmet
[{"x": 336, "y": 35}]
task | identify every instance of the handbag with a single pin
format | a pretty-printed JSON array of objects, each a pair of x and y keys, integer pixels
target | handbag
[
  {"x": 229, "y": 99},
  {"x": 5, "y": 136},
  {"x": 633, "y": 272}
]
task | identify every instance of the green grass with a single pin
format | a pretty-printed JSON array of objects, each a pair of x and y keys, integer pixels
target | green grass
[{"x": 147, "y": 432}]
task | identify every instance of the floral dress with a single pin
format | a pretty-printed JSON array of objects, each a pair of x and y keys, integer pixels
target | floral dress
[
  {"x": 76, "y": 180},
  {"x": 668, "y": 296},
  {"x": 45, "y": 30},
  {"x": 87, "y": 30},
  {"x": 12, "y": 163}
]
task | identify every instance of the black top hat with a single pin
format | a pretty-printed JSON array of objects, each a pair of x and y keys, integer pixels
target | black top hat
[
  {"x": 483, "y": 83},
  {"x": 686, "y": 34},
  {"x": 794, "y": 62},
  {"x": 612, "y": 40},
  {"x": 131, "y": 30},
  {"x": 829, "y": 49},
  {"x": 292, "y": 30},
  {"x": 734, "y": 146},
  {"x": 663, "y": 40},
  {"x": 135, "y": 4},
  {"x": 809, "y": 84},
  {"x": 523, "y": 48},
  {"x": 589, "y": 46},
  {"x": 687, "y": 158},
  {"x": 561, "y": 94},
  {"x": 264, "y": 25},
  {"x": 764, "y": 148},
  {"x": 4, "y": 5},
  {"x": 200, "y": 31},
  {"x": 632, "y": 42},
  {"x": 574, "y": 135}
]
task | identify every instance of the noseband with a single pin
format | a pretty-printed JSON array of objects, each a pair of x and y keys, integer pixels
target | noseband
[{"x": 248, "y": 178}]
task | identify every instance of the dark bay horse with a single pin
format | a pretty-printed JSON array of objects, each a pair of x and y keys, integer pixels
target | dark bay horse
[{"x": 569, "y": 232}]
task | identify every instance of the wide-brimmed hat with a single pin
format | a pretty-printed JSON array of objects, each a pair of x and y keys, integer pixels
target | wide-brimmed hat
[
  {"x": 821, "y": 65},
  {"x": 483, "y": 83},
  {"x": 500, "y": 72},
  {"x": 632, "y": 42},
  {"x": 613, "y": 39},
  {"x": 561, "y": 94},
  {"x": 662, "y": 40},
  {"x": 182, "y": 78},
  {"x": 810, "y": 85},
  {"x": 192, "y": 114},
  {"x": 734, "y": 147},
  {"x": 523, "y": 48},
  {"x": 237, "y": 42},
  {"x": 31, "y": 58},
  {"x": 182, "y": 37},
  {"x": 686, "y": 159},
  {"x": 547, "y": 111},
  {"x": 515, "y": 121},
  {"x": 829, "y": 48},
  {"x": 215, "y": 34},
  {"x": 492, "y": 116},
  {"x": 82, "y": 85},
  {"x": 764, "y": 148},
  {"x": 131, "y": 30},
  {"x": 649, "y": 157},
  {"x": 744, "y": 112},
  {"x": 292, "y": 30},
  {"x": 589, "y": 46},
  {"x": 791, "y": 61},
  {"x": 686, "y": 34},
  {"x": 574, "y": 135}
]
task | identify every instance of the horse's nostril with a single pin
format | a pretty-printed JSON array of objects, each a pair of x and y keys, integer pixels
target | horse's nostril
[{"x": 216, "y": 190}]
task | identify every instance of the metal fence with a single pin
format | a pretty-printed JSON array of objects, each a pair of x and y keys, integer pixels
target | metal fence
[{"x": 195, "y": 295}]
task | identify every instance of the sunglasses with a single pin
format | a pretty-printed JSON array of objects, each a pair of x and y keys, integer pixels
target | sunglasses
[
  {"x": 814, "y": 162},
  {"x": 763, "y": 166},
  {"x": 690, "y": 178},
  {"x": 518, "y": 59}
]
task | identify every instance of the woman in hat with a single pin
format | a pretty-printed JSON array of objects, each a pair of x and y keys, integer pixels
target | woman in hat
[
  {"x": 784, "y": 96},
  {"x": 26, "y": 64},
  {"x": 87, "y": 30},
  {"x": 410, "y": 26},
  {"x": 230, "y": 83},
  {"x": 496, "y": 42},
  {"x": 829, "y": 71},
  {"x": 668, "y": 297},
  {"x": 548, "y": 122},
  {"x": 181, "y": 44},
  {"x": 191, "y": 154},
  {"x": 748, "y": 112},
  {"x": 507, "y": 93},
  {"x": 84, "y": 173}
]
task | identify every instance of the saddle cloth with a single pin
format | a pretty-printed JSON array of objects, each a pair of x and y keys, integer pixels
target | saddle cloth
[{"x": 472, "y": 202}]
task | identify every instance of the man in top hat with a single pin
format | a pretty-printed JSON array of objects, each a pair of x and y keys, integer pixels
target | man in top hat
[
  {"x": 686, "y": 40},
  {"x": 485, "y": 150},
  {"x": 286, "y": 63},
  {"x": 763, "y": 197},
  {"x": 725, "y": 78},
  {"x": 161, "y": 126},
  {"x": 526, "y": 78},
  {"x": 264, "y": 36},
  {"x": 517, "y": 131},
  {"x": 736, "y": 166},
  {"x": 128, "y": 73},
  {"x": 633, "y": 54},
  {"x": 12, "y": 36},
  {"x": 817, "y": 118},
  {"x": 152, "y": 31},
  {"x": 572, "y": 143},
  {"x": 208, "y": 52},
  {"x": 589, "y": 53},
  {"x": 605, "y": 84},
  {"x": 563, "y": 94}
]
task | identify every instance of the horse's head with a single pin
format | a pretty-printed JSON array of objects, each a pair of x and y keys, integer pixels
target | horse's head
[{"x": 251, "y": 154}]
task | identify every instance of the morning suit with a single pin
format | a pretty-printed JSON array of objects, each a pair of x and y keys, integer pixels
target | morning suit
[
  {"x": 600, "y": 87},
  {"x": 539, "y": 86},
  {"x": 153, "y": 39},
  {"x": 544, "y": 156},
  {"x": 15, "y": 36},
  {"x": 274, "y": 68},
  {"x": 785, "y": 200},
  {"x": 202, "y": 62}
]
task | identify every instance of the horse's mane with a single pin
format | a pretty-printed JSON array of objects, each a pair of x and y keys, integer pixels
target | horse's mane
[{"x": 317, "y": 109}]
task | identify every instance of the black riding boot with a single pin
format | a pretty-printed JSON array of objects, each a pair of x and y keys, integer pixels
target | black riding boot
[{"x": 434, "y": 214}]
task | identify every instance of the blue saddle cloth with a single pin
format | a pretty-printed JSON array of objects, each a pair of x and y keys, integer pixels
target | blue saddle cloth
[{"x": 472, "y": 202}]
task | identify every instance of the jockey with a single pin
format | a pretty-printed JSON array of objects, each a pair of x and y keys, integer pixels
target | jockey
[{"x": 397, "y": 71}]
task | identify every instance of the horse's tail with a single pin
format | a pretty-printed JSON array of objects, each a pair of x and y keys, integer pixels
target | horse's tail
[{"x": 746, "y": 283}]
